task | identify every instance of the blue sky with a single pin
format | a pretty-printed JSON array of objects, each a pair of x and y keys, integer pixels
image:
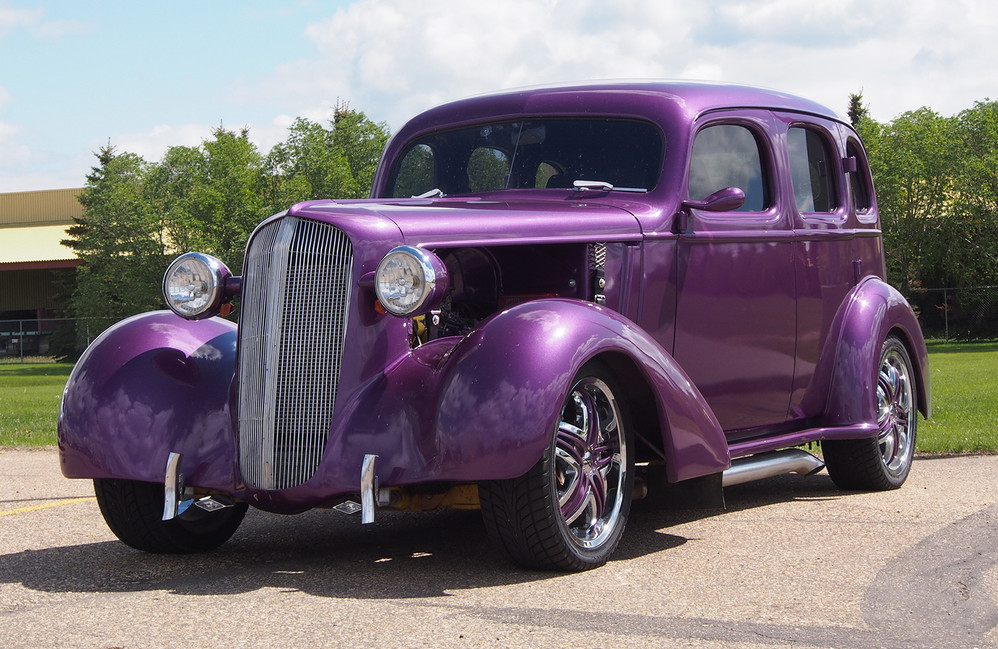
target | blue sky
[{"x": 143, "y": 76}]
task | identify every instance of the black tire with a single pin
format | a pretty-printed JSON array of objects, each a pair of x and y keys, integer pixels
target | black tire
[
  {"x": 881, "y": 463},
  {"x": 134, "y": 512},
  {"x": 569, "y": 511}
]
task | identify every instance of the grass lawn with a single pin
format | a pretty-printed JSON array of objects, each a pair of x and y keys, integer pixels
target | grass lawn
[
  {"x": 29, "y": 402},
  {"x": 964, "y": 400}
]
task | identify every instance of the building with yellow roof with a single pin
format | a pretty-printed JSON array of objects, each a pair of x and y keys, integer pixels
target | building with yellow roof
[{"x": 33, "y": 262}]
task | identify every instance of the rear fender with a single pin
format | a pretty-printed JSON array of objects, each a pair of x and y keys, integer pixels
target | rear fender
[
  {"x": 502, "y": 388},
  {"x": 847, "y": 372},
  {"x": 149, "y": 385}
]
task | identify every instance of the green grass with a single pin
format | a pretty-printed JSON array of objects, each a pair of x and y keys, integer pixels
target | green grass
[
  {"x": 964, "y": 400},
  {"x": 29, "y": 402}
]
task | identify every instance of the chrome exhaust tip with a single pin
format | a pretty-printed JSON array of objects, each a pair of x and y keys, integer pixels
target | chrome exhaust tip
[{"x": 768, "y": 465}]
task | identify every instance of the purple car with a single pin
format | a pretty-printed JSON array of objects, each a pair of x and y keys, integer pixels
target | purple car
[{"x": 555, "y": 300}]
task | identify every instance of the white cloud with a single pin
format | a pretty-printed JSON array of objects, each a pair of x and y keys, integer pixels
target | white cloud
[
  {"x": 7, "y": 131},
  {"x": 392, "y": 58},
  {"x": 14, "y": 18},
  {"x": 152, "y": 144},
  {"x": 400, "y": 57},
  {"x": 33, "y": 20}
]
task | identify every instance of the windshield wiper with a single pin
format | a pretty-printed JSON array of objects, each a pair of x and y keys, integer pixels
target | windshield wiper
[
  {"x": 436, "y": 192},
  {"x": 603, "y": 186}
]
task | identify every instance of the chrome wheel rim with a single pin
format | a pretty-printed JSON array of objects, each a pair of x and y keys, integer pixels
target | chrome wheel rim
[
  {"x": 590, "y": 463},
  {"x": 895, "y": 415}
]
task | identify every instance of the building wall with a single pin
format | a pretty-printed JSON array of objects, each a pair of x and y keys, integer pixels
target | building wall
[
  {"x": 31, "y": 279},
  {"x": 27, "y": 292}
]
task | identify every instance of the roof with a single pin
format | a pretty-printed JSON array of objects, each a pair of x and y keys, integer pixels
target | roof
[
  {"x": 45, "y": 207},
  {"x": 618, "y": 97}
]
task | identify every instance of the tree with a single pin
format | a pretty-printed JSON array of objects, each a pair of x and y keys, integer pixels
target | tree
[
  {"x": 137, "y": 216},
  {"x": 974, "y": 221},
  {"x": 119, "y": 241},
  {"x": 210, "y": 195},
  {"x": 318, "y": 162},
  {"x": 306, "y": 166},
  {"x": 857, "y": 109},
  {"x": 914, "y": 160}
]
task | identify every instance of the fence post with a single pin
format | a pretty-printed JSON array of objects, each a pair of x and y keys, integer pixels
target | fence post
[
  {"x": 20, "y": 339},
  {"x": 946, "y": 312}
]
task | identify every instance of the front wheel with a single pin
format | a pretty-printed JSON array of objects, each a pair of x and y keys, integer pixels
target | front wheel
[
  {"x": 568, "y": 512},
  {"x": 134, "y": 511},
  {"x": 882, "y": 462}
]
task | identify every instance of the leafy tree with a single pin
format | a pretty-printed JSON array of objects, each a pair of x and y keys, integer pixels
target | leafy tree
[
  {"x": 120, "y": 242},
  {"x": 320, "y": 162},
  {"x": 210, "y": 195},
  {"x": 974, "y": 260},
  {"x": 913, "y": 159},
  {"x": 306, "y": 166},
  {"x": 137, "y": 216}
]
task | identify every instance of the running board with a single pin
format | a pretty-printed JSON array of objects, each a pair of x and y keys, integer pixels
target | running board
[{"x": 768, "y": 465}]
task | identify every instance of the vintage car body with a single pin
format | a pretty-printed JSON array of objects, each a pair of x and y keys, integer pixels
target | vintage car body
[{"x": 668, "y": 308}]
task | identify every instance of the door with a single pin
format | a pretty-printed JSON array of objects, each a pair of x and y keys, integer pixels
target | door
[{"x": 736, "y": 295}]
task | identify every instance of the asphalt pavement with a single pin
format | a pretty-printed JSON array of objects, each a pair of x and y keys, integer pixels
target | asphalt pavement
[{"x": 791, "y": 562}]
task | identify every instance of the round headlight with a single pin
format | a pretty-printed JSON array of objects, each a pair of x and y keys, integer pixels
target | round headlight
[
  {"x": 410, "y": 281},
  {"x": 193, "y": 285}
]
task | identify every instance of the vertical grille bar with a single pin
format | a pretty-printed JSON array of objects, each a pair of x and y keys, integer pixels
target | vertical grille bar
[{"x": 296, "y": 293}]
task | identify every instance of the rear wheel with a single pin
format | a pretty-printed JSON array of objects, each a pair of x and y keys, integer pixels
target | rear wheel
[
  {"x": 568, "y": 512},
  {"x": 134, "y": 512},
  {"x": 883, "y": 462}
]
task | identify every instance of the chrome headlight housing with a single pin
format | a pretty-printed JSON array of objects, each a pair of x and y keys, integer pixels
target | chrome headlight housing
[
  {"x": 194, "y": 285},
  {"x": 410, "y": 281}
]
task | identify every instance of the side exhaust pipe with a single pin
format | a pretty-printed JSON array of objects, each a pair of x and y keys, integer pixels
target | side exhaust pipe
[{"x": 768, "y": 465}]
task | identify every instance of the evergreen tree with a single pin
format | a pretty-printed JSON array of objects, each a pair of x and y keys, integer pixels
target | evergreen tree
[
  {"x": 120, "y": 243},
  {"x": 857, "y": 109}
]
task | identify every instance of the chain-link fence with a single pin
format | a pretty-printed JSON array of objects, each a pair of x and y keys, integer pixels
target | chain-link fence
[
  {"x": 969, "y": 313},
  {"x": 26, "y": 339}
]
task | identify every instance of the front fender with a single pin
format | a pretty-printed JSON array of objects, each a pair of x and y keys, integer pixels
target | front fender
[
  {"x": 868, "y": 315},
  {"x": 502, "y": 390},
  {"x": 152, "y": 384}
]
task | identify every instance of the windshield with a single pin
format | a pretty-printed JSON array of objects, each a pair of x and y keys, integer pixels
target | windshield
[{"x": 531, "y": 154}]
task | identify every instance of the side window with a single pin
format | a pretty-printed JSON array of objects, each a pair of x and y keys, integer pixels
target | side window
[
  {"x": 811, "y": 170},
  {"x": 415, "y": 172},
  {"x": 488, "y": 169},
  {"x": 728, "y": 155},
  {"x": 859, "y": 183}
]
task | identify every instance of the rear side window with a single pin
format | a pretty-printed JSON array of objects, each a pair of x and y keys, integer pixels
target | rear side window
[
  {"x": 728, "y": 155},
  {"x": 859, "y": 183},
  {"x": 811, "y": 170}
]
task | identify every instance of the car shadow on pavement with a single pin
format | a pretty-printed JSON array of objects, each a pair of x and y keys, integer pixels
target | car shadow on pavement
[{"x": 324, "y": 553}]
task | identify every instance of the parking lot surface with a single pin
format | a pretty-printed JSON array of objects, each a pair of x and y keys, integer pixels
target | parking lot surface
[{"x": 792, "y": 561}]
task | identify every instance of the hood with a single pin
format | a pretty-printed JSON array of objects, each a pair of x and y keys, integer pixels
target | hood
[{"x": 476, "y": 221}]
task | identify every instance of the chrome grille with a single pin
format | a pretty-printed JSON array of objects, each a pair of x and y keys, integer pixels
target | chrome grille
[{"x": 293, "y": 316}]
